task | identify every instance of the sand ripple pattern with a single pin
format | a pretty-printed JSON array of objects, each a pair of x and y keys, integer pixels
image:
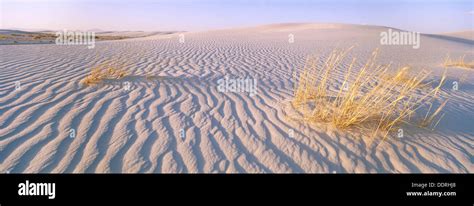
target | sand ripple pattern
[{"x": 141, "y": 130}]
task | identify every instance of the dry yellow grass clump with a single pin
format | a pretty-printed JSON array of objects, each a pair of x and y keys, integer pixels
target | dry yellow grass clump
[
  {"x": 448, "y": 62},
  {"x": 402, "y": 77},
  {"x": 103, "y": 72},
  {"x": 370, "y": 98}
]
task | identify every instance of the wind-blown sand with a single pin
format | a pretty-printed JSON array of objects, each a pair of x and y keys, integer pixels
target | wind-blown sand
[{"x": 140, "y": 130}]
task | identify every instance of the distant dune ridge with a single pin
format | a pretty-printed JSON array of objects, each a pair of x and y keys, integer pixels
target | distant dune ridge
[
  {"x": 463, "y": 34},
  {"x": 8, "y": 36},
  {"x": 178, "y": 121}
]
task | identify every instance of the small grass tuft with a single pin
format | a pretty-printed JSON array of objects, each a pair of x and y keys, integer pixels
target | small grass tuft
[
  {"x": 103, "y": 72},
  {"x": 448, "y": 62}
]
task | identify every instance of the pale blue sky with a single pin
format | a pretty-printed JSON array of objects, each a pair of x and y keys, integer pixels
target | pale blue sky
[{"x": 429, "y": 16}]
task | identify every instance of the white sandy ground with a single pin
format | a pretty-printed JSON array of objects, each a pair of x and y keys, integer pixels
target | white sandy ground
[{"x": 139, "y": 130}]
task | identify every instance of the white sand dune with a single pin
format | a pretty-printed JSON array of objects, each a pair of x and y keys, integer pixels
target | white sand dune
[
  {"x": 140, "y": 130},
  {"x": 462, "y": 34}
]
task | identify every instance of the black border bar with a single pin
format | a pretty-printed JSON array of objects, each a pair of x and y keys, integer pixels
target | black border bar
[{"x": 118, "y": 187}]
